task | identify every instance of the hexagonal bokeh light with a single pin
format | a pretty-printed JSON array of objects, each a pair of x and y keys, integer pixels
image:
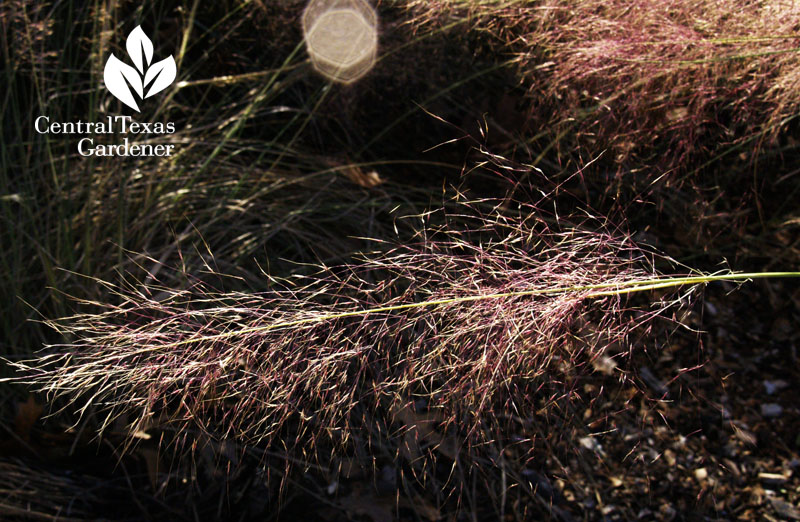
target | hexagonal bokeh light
[{"x": 341, "y": 37}]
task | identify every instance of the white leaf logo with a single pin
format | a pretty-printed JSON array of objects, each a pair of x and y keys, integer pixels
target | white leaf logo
[
  {"x": 120, "y": 77},
  {"x": 139, "y": 44},
  {"x": 161, "y": 74},
  {"x": 115, "y": 74}
]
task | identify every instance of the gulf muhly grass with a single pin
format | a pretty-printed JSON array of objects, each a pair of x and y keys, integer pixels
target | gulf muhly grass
[
  {"x": 221, "y": 297},
  {"x": 475, "y": 320},
  {"x": 706, "y": 81}
]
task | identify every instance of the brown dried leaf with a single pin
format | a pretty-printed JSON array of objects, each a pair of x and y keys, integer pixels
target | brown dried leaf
[
  {"x": 28, "y": 413},
  {"x": 357, "y": 175}
]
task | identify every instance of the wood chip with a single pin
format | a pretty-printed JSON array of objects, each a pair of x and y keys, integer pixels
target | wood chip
[{"x": 772, "y": 479}]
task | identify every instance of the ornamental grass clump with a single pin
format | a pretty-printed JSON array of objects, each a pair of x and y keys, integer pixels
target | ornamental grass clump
[
  {"x": 682, "y": 74},
  {"x": 693, "y": 78},
  {"x": 473, "y": 319}
]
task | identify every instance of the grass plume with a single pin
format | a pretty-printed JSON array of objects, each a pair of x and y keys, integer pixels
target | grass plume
[
  {"x": 692, "y": 77},
  {"x": 465, "y": 318}
]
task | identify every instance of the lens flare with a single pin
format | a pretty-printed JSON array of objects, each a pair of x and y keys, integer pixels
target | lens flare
[{"x": 341, "y": 37}]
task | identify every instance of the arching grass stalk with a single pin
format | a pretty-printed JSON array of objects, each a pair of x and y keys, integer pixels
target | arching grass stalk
[{"x": 596, "y": 290}]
